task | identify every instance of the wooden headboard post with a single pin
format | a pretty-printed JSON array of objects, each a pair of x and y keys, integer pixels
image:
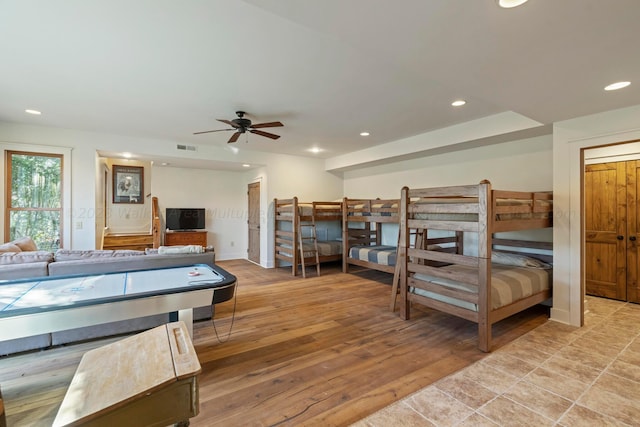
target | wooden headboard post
[
  {"x": 345, "y": 234},
  {"x": 484, "y": 264},
  {"x": 401, "y": 259}
]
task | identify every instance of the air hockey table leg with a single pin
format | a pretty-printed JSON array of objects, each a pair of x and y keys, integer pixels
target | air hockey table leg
[{"x": 186, "y": 316}]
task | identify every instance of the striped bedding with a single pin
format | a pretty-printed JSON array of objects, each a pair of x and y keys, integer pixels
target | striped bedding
[
  {"x": 508, "y": 284},
  {"x": 383, "y": 255}
]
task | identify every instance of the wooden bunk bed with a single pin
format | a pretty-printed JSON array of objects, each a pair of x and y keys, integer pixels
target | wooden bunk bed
[
  {"x": 362, "y": 224},
  {"x": 495, "y": 278},
  {"x": 289, "y": 218}
]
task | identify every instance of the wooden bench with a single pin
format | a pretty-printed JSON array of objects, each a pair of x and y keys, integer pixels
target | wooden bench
[{"x": 148, "y": 379}]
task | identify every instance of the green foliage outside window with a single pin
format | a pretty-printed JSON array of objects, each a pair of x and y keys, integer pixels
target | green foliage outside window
[{"x": 35, "y": 207}]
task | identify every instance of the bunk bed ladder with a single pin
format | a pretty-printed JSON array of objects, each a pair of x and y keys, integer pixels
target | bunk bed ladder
[
  {"x": 313, "y": 238},
  {"x": 420, "y": 242}
]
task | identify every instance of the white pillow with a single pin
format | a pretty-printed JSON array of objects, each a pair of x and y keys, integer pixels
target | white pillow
[
  {"x": 518, "y": 260},
  {"x": 187, "y": 249}
]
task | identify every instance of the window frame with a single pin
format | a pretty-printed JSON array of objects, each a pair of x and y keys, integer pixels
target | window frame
[{"x": 8, "y": 153}]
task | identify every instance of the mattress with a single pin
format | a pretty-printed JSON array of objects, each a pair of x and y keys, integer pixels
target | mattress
[
  {"x": 508, "y": 284},
  {"x": 325, "y": 248},
  {"x": 383, "y": 255}
]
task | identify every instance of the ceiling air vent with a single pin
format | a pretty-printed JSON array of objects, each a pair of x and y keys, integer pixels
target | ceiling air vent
[{"x": 186, "y": 147}]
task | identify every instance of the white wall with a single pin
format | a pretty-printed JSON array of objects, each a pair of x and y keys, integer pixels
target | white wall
[
  {"x": 127, "y": 218},
  {"x": 301, "y": 177},
  {"x": 221, "y": 193},
  {"x": 518, "y": 165},
  {"x": 569, "y": 139},
  {"x": 614, "y": 153},
  {"x": 523, "y": 165},
  {"x": 288, "y": 176},
  {"x": 101, "y": 180}
]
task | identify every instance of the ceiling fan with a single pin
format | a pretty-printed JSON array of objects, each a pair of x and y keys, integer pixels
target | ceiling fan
[{"x": 242, "y": 125}]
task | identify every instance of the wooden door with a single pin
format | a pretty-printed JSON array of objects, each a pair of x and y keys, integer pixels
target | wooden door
[
  {"x": 633, "y": 230},
  {"x": 606, "y": 230},
  {"x": 253, "y": 249}
]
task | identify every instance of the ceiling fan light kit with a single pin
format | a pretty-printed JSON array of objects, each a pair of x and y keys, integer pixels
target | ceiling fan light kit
[
  {"x": 508, "y": 4},
  {"x": 242, "y": 125}
]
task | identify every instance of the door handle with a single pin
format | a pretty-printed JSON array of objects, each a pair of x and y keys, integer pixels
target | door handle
[
  {"x": 620, "y": 237},
  {"x": 632, "y": 238}
]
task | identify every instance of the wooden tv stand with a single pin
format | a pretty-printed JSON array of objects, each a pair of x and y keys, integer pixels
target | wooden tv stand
[{"x": 181, "y": 238}]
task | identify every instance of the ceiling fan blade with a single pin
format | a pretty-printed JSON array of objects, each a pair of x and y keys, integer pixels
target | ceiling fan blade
[
  {"x": 229, "y": 122},
  {"x": 234, "y": 138},
  {"x": 267, "y": 125},
  {"x": 267, "y": 134},
  {"x": 209, "y": 131}
]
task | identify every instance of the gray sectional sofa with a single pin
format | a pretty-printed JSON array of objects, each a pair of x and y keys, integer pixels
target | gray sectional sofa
[{"x": 30, "y": 264}]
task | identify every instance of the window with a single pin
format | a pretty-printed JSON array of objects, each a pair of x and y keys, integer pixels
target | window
[{"x": 34, "y": 198}]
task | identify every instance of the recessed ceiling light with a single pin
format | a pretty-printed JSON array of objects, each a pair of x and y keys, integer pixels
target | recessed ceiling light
[
  {"x": 507, "y": 4},
  {"x": 458, "y": 103},
  {"x": 34, "y": 112},
  {"x": 617, "y": 85},
  {"x": 364, "y": 133},
  {"x": 126, "y": 155},
  {"x": 246, "y": 165},
  {"x": 315, "y": 150}
]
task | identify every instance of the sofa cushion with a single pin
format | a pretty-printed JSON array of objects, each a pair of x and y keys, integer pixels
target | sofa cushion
[
  {"x": 24, "y": 271},
  {"x": 127, "y": 263},
  {"x": 127, "y": 252},
  {"x": 25, "y": 257},
  {"x": 9, "y": 247},
  {"x": 68, "y": 255},
  {"x": 25, "y": 244}
]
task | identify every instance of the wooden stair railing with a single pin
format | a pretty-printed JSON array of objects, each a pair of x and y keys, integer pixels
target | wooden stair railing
[{"x": 155, "y": 222}]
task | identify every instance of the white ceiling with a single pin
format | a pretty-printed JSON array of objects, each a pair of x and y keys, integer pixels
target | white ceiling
[{"x": 328, "y": 69}]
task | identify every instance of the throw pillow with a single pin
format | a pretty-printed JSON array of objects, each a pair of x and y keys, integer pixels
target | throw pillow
[
  {"x": 25, "y": 244},
  {"x": 517, "y": 260}
]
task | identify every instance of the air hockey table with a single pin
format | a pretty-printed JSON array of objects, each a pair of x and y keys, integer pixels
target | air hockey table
[{"x": 51, "y": 304}]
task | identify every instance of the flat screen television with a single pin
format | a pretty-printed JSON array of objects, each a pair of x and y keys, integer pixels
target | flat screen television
[{"x": 185, "y": 219}]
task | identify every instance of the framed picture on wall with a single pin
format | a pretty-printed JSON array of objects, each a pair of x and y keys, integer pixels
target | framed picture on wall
[{"x": 128, "y": 184}]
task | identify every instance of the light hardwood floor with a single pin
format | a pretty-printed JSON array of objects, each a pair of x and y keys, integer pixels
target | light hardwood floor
[{"x": 321, "y": 351}]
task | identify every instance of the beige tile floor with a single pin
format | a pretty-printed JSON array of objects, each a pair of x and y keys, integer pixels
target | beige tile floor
[{"x": 555, "y": 375}]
